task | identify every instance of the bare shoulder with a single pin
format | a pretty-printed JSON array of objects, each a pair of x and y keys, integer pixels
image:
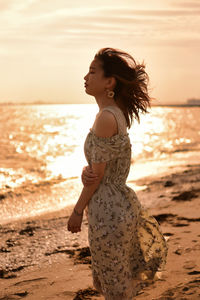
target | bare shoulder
[{"x": 106, "y": 124}]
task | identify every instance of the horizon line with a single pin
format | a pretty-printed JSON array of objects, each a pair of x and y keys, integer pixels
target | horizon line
[{"x": 183, "y": 104}]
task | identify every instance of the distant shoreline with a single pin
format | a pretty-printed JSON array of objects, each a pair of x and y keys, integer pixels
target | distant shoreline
[
  {"x": 54, "y": 103},
  {"x": 178, "y": 105}
]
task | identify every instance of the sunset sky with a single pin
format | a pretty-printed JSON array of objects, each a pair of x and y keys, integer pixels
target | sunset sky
[{"x": 46, "y": 46}]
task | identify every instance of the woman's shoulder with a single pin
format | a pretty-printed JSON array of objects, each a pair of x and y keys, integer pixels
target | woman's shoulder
[{"x": 105, "y": 124}]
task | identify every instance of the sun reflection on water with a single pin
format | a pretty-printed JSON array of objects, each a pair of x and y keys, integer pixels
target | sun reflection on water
[
  {"x": 146, "y": 134},
  {"x": 42, "y": 145},
  {"x": 51, "y": 137}
]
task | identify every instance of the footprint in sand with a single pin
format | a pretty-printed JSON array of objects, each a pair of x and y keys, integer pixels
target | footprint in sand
[
  {"x": 189, "y": 265},
  {"x": 15, "y": 296},
  {"x": 195, "y": 272},
  {"x": 83, "y": 294},
  {"x": 185, "y": 196},
  {"x": 24, "y": 282},
  {"x": 181, "y": 290}
]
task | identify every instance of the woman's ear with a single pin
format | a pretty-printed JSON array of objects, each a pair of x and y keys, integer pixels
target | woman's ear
[{"x": 111, "y": 83}]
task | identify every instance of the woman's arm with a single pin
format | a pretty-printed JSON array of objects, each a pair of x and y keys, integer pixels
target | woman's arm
[
  {"x": 74, "y": 223},
  {"x": 88, "y": 191}
]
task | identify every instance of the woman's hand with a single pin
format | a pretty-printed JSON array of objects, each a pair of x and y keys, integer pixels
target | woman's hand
[
  {"x": 74, "y": 223},
  {"x": 88, "y": 177}
]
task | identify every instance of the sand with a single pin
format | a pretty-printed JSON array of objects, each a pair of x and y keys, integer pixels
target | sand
[{"x": 40, "y": 259}]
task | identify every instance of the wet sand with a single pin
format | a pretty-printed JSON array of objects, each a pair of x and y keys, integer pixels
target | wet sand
[{"x": 40, "y": 259}]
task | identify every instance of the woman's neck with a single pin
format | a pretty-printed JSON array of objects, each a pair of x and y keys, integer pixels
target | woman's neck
[{"x": 104, "y": 102}]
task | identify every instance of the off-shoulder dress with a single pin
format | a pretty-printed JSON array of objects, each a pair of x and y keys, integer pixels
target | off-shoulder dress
[{"x": 126, "y": 243}]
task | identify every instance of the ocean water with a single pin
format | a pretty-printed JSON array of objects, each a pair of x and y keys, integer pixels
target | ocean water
[{"x": 41, "y": 155}]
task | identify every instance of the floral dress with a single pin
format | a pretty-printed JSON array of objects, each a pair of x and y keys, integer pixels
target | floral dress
[{"x": 126, "y": 243}]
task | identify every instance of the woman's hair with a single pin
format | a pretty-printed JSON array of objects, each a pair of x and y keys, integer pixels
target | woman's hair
[{"x": 131, "y": 93}]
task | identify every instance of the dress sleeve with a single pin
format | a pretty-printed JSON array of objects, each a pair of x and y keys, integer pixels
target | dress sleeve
[{"x": 105, "y": 149}]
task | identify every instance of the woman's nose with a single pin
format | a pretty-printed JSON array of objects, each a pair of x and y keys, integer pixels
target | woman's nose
[{"x": 85, "y": 77}]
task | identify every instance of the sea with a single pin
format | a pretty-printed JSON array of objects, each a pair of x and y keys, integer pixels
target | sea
[{"x": 42, "y": 157}]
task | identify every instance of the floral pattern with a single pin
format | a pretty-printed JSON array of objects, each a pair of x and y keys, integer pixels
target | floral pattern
[{"x": 126, "y": 243}]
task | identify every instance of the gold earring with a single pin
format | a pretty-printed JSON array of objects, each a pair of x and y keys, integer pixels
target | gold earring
[{"x": 110, "y": 94}]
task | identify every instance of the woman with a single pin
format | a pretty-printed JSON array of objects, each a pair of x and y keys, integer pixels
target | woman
[{"x": 126, "y": 244}]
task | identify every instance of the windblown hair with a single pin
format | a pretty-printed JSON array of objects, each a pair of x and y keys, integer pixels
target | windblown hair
[{"x": 131, "y": 92}]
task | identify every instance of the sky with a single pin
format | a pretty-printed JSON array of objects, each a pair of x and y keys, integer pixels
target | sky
[{"x": 46, "y": 46}]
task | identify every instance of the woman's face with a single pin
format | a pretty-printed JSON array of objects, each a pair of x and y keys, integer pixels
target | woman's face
[{"x": 95, "y": 82}]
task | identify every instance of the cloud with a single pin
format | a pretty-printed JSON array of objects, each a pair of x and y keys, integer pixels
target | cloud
[
  {"x": 187, "y": 4},
  {"x": 31, "y": 25},
  {"x": 5, "y": 5},
  {"x": 149, "y": 12},
  {"x": 11, "y": 6},
  {"x": 63, "y": 34}
]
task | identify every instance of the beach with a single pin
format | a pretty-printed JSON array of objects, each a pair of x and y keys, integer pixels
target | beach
[
  {"x": 40, "y": 259},
  {"x": 62, "y": 64}
]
